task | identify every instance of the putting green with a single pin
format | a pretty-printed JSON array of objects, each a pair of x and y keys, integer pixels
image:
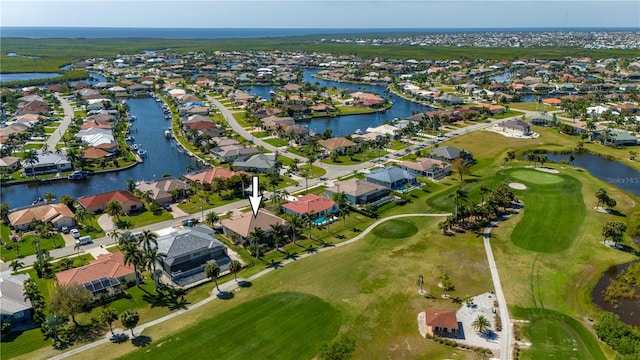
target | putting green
[
  {"x": 536, "y": 177},
  {"x": 280, "y": 326},
  {"x": 395, "y": 229}
]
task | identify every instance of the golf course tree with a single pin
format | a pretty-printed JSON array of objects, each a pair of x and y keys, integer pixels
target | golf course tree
[
  {"x": 278, "y": 233},
  {"x": 234, "y": 267},
  {"x": 340, "y": 349},
  {"x": 446, "y": 284},
  {"x": 108, "y": 316},
  {"x": 340, "y": 198},
  {"x": 481, "y": 324},
  {"x": 129, "y": 319},
  {"x": 605, "y": 199},
  {"x": 51, "y": 327},
  {"x": 254, "y": 239},
  {"x": 133, "y": 256},
  {"x": 212, "y": 271},
  {"x": 461, "y": 167},
  {"x": 614, "y": 231},
  {"x": 70, "y": 300}
]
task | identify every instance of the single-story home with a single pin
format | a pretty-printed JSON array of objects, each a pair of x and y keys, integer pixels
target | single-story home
[
  {"x": 10, "y": 162},
  {"x": 47, "y": 163},
  {"x": 162, "y": 191},
  {"x": 97, "y": 203},
  {"x": 311, "y": 203},
  {"x": 515, "y": 127},
  {"x": 259, "y": 163},
  {"x": 208, "y": 176},
  {"x": 14, "y": 308},
  {"x": 188, "y": 251},
  {"x": 392, "y": 177},
  {"x": 358, "y": 192},
  {"x": 106, "y": 274},
  {"x": 619, "y": 138},
  {"x": 542, "y": 120},
  {"x": 441, "y": 321},
  {"x": 449, "y": 153},
  {"x": 57, "y": 214},
  {"x": 243, "y": 225},
  {"x": 338, "y": 144},
  {"x": 431, "y": 168}
]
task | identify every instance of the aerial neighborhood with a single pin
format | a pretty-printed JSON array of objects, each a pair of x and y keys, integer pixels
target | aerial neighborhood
[{"x": 405, "y": 207}]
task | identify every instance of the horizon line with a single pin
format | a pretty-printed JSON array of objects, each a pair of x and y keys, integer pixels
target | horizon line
[{"x": 321, "y": 28}]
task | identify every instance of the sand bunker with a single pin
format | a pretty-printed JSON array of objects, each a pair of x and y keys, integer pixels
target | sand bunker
[
  {"x": 517, "y": 186},
  {"x": 548, "y": 170}
]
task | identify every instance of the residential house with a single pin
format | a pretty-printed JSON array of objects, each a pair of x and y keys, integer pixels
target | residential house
[
  {"x": 542, "y": 120},
  {"x": 272, "y": 122},
  {"x": 358, "y": 192},
  {"x": 94, "y": 153},
  {"x": 241, "y": 226},
  {"x": 209, "y": 175},
  {"x": 229, "y": 153},
  {"x": 104, "y": 275},
  {"x": 259, "y": 163},
  {"x": 14, "y": 307},
  {"x": 491, "y": 108},
  {"x": 95, "y": 136},
  {"x": 441, "y": 322},
  {"x": 47, "y": 163},
  {"x": 432, "y": 168},
  {"x": 392, "y": 177},
  {"x": 514, "y": 127},
  {"x": 619, "y": 138},
  {"x": 449, "y": 153},
  {"x": 449, "y": 99},
  {"x": 162, "y": 191},
  {"x": 188, "y": 251},
  {"x": 57, "y": 214},
  {"x": 11, "y": 163},
  {"x": 97, "y": 203},
  {"x": 311, "y": 204},
  {"x": 338, "y": 144}
]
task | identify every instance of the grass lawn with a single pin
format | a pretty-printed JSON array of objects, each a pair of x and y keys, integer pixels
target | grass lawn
[
  {"x": 556, "y": 336},
  {"x": 260, "y": 134},
  {"x": 22, "y": 342},
  {"x": 277, "y": 142},
  {"x": 531, "y": 106},
  {"x": 27, "y": 246},
  {"x": 314, "y": 172},
  {"x": 32, "y": 146},
  {"x": 274, "y": 321},
  {"x": 146, "y": 217},
  {"x": 357, "y": 158},
  {"x": 351, "y": 110},
  {"x": 506, "y": 114},
  {"x": 553, "y": 211},
  {"x": 397, "y": 145},
  {"x": 240, "y": 118}
]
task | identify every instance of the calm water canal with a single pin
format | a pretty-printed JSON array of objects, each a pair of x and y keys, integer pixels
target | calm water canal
[
  {"x": 344, "y": 125},
  {"x": 162, "y": 157}
]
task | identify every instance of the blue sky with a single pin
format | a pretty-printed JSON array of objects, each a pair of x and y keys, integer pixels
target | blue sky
[{"x": 320, "y": 14}]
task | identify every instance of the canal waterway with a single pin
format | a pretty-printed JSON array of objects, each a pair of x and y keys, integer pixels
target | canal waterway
[
  {"x": 26, "y": 76},
  {"x": 627, "y": 309},
  {"x": 613, "y": 172},
  {"x": 348, "y": 124},
  {"x": 163, "y": 157}
]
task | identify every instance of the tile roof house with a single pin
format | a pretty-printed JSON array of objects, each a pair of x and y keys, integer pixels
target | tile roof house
[
  {"x": 338, "y": 144},
  {"x": 311, "y": 203},
  {"x": 105, "y": 274},
  {"x": 10, "y": 162},
  {"x": 161, "y": 191},
  {"x": 57, "y": 214},
  {"x": 392, "y": 177},
  {"x": 244, "y": 224},
  {"x": 431, "y": 168},
  {"x": 260, "y": 163},
  {"x": 441, "y": 321},
  {"x": 358, "y": 192},
  {"x": 94, "y": 153},
  {"x": 208, "y": 176},
  {"x": 97, "y": 203},
  {"x": 188, "y": 251},
  {"x": 14, "y": 308}
]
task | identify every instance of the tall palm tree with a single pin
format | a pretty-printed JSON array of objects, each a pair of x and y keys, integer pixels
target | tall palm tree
[
  {"x": 212, "y": 271},
  {"x": 212, "y": 218},
  {"x": 31, "y": 158},
  {"x": 49, "y": 197},
  {"x": 255, "y": 237},
  {"x": 77, "y": 246},
  {"x": 151, "y": 257},
  {"x": 459, "y": 195},
  {"x": 343, "y": 207},
  {"x": 235, "y": 266},
  {"x": 82, "y": 214},
  {"x": 16, "y": 265},
  {"x": 481, "y": 324},
  {"x": 147, "y": 238},
  {"x": 108, "y": 316},
  {"x": 296, "y": 225},
  {"x": 277, "y": 232},
  {"x": 133, "y": 256},
  {"x": 114, "y": 208}
]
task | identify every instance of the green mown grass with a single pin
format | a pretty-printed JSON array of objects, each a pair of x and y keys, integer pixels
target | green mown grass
[
  {"x": 22, "y": 342},
  {"x": 276, "y": 326},
  {"x": 395, "y": 229},
  {"x": 556, "y": 336},
  {"x": 553, "y": 213},
  {"x": 277, "y": 142},
  {"x": 535, "y": 176}
]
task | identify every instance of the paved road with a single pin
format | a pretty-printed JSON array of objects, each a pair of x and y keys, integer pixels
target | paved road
[
  {"x": 232, "y": 285},
  {"x": 505, "y": 334},
  {"x": 55, "y": 136}
]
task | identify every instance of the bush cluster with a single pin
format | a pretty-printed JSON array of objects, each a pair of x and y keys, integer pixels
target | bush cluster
[{"x": 623, "y": 338}]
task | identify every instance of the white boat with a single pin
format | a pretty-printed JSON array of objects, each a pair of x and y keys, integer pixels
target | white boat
[
  {"x": 358, "y": 132},
  {"x": 129, "y": 138},
  {"x": 132, "y": 118},
  {"x": 135, "y": 146},
  {"x": 142, "y": 152},
  {"x": 167, "y": 134}
]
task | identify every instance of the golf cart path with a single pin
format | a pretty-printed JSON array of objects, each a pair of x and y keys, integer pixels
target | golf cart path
[{"x": 231, "y": 285}]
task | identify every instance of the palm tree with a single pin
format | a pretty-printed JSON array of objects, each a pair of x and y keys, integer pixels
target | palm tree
[
  {"x": 342, "y": 200},
  {"x": 133, "y": 256},
  {"x": 108, "y": 316},
  {"x": 459, "y": 195},
  {"x": 77, "y": 246},
  {"x": 212, "y": 218},
  {"x": 16, "y": 265},
  {"x": 131, "y": 184},
  {"x": 446, "y": 283},
  {"x": 49, "y": 197},
  {"x": 82, "y": 214},
  {"x": 147, "y": 238},
  {"x": 129, "y": 319},
  {"x": 52, "y": 325},
  {"x": 277, "y": 232},
  {"x": 461, "y": 167},
  {"x": 151, "y": 257},
  {"x": 212, "y": 271},
  {"x": 235, "y": 266},
  {"x": 31, "y": 158},
  {"x": 602, "y": 196},
  {"x": 114, "y": 208},
  {"x": 296, "y": 224},
  {"x": 481, "y": 324},
  {"x": 255, "y": 237}
]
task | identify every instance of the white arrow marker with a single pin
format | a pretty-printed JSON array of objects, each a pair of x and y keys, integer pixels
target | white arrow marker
[{"x": 255, "y": 199}]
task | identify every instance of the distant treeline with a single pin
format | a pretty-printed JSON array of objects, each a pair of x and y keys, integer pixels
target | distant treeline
[
  {"x": 67, "y": 75},
  {"x": 53, "y": 53}
]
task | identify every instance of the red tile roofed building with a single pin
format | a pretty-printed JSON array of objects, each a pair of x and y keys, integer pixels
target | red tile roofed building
[
  {"x": 101, "y": 124},
  {"x": 552, "y": 101},
  {"x": 110, "y": 266},
  {"x": 94, "y": 153},
  {"x": 441, "y": 321},
  {"x": 97, "y": 203},
  {"x": 311, "y": 203},
  {"x": 207, "y": 176},
  {"x": 338, "y": 144}
]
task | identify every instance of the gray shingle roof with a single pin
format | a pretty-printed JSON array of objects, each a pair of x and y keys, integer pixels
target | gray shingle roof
[
  {"x": 259, "y": 161},
  {"x": 185, "y": 241},
  {"x": 12, "y": 294},
  {"x": 389, "y": 174},
  {"x": 446, "y": 152}
]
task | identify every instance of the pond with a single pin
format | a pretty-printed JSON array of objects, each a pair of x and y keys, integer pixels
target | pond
[
  {"x": 628, "y": 309},
  {"x": 613, "y": 172},
  {"x": 27, "y": 76}
]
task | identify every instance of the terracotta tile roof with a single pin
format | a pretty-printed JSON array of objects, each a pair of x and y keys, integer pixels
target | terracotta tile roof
[
  {"x": 423, "y": 164},
  {"x": 309, "y": 203},
  {"x": 44, "y": 213},
  {"x": 111, "y": 265},
  {"x": 246, "y": 223},
  {"x": 336, "y": 143},
  {"x": 441, "y": 318},
  {"x": 94, "y": 153},
  {"x": 120, "y": 196},
  {"x": 207, "y": 176}
]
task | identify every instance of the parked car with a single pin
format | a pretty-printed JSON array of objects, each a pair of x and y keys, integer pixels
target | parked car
[
  {"x": 75, "y": 233},
  {"x": 64, "y": 229}
]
